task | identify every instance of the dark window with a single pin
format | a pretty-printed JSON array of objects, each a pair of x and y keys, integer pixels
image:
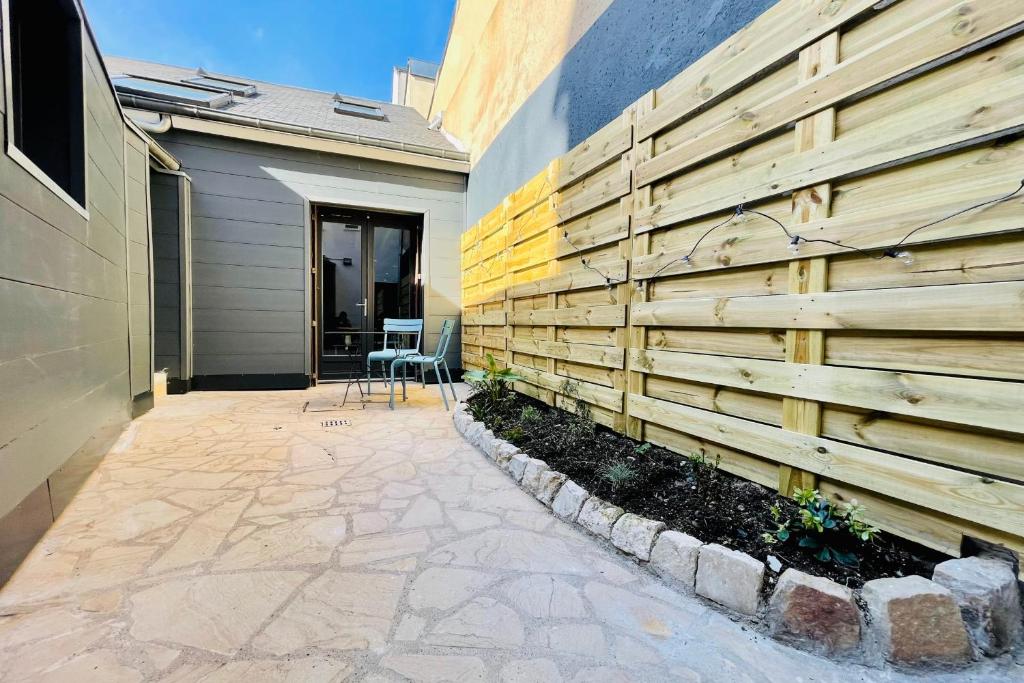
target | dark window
[
  {"x": 47, "y": 108},
  {"x": 366, "y": 111}
]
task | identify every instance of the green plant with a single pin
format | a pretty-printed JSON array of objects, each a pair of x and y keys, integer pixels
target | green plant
[
  {"x": 619, "y": 474},
  {"x": 642, "y": 448},
  {"x": 825, "y": 528},
  {"x": 493, "y": 383},
  {"x": 529, "y": 416},
  {"x": 513, "y": 434}
]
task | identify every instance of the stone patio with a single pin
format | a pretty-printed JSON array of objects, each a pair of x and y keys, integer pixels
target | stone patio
[{"x": 232, "y": 537}]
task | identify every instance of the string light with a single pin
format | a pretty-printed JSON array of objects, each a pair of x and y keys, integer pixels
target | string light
[
  {"x": 893, "y": 252},
  {"x": 608, "y": 281}
]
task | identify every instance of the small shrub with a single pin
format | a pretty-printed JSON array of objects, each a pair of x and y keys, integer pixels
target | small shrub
[
  {"x": 619, "y": 474},
  {"x": 513, "y": 435},
  {"x": 642, "y": 448},
  {"x": 835, "y": 533},
  {"x": 494, "y": 385},
  {"x": 529, "y": 416}
]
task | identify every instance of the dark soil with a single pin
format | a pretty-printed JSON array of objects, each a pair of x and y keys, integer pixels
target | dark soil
[{"x": 689, "y": 493}]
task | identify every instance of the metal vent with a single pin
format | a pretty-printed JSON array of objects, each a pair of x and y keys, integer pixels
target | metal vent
[{"x": 336, "y": 423}]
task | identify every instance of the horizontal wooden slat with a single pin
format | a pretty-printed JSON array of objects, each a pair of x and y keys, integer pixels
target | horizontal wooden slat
[
  {"x": 940, "y": 34},
  {"x": 982, "y": 97},
  {"x": 591, "y": 393},
  {"x": 489, "y": 341},
  {"x": 763, "y": 241},
  {"x": 969, "y": 496},
  {"x": 574, "y": 279},
  {"x": 981, "y": 357},
  {"x": 605, "y": 356},
  {"x": 946, "y": 307},
  {"x": 536, "y": 190},
  {"x": 486, "y": 318},
  {"x": 604, "y": 226},
  {"x": 597, "y": 150},
  {"x": 777, "y": 34},
  {"x": 958, "y": 400},
  {"x": 577, "y": 316},
  {"x": 593, "y": 191}
]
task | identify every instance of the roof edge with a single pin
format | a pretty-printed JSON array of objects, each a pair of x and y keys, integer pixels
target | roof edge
[{"x": 192, "y": 111}]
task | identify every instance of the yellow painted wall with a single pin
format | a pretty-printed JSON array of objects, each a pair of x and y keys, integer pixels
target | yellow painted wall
[
  {"x": 418, "y": 92},
  {"x": 498, "y": 52}
]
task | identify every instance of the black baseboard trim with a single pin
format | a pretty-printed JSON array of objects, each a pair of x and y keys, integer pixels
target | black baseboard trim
[
  {"x": 178, "y": 386},
  {"x": 142, "y": 404},
  {"x": 249, "y": 382}
]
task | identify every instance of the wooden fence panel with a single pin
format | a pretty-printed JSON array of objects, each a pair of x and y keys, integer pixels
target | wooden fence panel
[{"x": 631, "y": 280}]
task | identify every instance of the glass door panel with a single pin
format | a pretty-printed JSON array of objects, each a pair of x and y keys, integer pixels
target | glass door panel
[{"x": 343, "y": 298}]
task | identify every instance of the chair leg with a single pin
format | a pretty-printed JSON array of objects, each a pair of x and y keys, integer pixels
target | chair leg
[
  {"x": 450, "y": 385},
  {"x": 369, "y": 378},
  {"x": 404, "y": 395},
  {"x": 440, "y": 385},
  {"x": 391, "y": 401}
]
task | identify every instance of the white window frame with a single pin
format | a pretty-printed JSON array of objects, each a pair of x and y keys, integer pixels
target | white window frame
[{"x": 11, "y": 149}]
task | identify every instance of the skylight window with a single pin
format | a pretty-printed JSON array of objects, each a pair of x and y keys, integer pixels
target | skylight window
[
  {"x": 366, "y": 111},
  {"x": 170, "y": 92},
  {"x": 233, "y": 87}
]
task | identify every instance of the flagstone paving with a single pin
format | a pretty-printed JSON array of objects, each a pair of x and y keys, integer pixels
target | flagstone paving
[{"x": 232, "y": 537}]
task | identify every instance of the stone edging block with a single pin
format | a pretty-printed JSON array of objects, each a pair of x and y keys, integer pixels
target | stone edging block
[
  {"x": 635, "y": 535},
  {"x": 532, "y": 473},
  {"x": 549, "y": 484},
  {"x": 569, "y": 500},
  {"x": 730, "y": 577},
  {"x": 598, "y": 516},
  {"x": 989, "y": 599},
  {"x": 916, "y": 621},
  {"x": 814, "y": 612},
  {"x": 674, "y": 558}
]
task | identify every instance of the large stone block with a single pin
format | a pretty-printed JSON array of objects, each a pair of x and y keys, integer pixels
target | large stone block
[
  {"x": 548, "y": 486},
  {"x": 598, "y": 516},
  {"x": 484, "y": 439},
  {"x": 989, "y": 600},
  {"x": 916, "y": 621},
  {"x": 531, "y": 475},
  {"x": 462, "y": 422},
  {"x": 814, "y": 611},
  {"x": 516, "y": 465},
  {"x": 473, "y": 432},
  {"x": 504, "y": 452},
  {"x": 674, "y": 558},
  {"x": 569, "y": 500},
  {"x": 635, "y": 535},
  {"x": 730, "y": 578}
]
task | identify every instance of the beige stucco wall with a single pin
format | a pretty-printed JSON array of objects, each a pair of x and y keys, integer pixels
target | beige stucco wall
[
  {"x": 476, "y": 89},
  {"x": 418, "y": 93}
]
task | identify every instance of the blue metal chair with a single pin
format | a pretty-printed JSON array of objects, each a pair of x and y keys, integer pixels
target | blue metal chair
[
  {"x": 402, "y": 330},
  {"x": 437, "y": 361}
]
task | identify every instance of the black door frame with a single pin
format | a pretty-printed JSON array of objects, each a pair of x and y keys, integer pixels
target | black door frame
[{"x": 365, "y": 218}]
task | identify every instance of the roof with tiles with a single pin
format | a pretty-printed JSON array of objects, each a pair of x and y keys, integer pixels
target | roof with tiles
[{"x": 301, "y": 107}]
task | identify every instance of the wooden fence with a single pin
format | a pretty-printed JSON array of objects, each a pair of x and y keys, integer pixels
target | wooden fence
[{"x": 898, "y": 381}]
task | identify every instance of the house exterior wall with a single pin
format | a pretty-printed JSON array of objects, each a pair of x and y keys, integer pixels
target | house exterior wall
[
  {"x": 65, "y": 365},
  {"x": 520, "y": 100},
  {"x": 251, "y": 246},
  {"x": 140, "y": 310},
  {"x": 166, "y": 275}
]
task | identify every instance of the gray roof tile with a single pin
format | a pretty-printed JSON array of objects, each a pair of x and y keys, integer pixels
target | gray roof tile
[{"x": 302, "y": 107}]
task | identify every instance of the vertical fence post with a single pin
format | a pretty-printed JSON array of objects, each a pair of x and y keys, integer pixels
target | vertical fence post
[
  {"x": 640, "y": 245},
  {"x": 809, "y": 275}
]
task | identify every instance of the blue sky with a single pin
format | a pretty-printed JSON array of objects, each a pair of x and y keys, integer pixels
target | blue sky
[{"x": 335, "y": 45}]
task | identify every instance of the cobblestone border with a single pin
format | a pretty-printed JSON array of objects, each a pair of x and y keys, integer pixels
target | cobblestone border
[{"x": 970, "y": 609}]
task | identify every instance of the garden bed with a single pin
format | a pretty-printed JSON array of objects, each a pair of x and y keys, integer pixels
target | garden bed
[{"x": 689, "y": 493}]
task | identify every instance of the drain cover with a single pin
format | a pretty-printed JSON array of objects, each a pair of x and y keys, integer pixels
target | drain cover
[{"x": 336, "y": 423}]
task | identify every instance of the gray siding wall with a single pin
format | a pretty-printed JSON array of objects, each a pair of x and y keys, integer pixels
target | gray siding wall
[
  {"x": 136, "y": 183},
  {"x": 166, "y": 274},
  {"x": 635, "y": 46},
  {"x": 250, "y": 250},
  {"x": 64, "y": 362}
]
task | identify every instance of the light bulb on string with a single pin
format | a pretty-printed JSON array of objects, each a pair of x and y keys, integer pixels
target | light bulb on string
[
  {"x": 687, "y": 261},
  {"x": 794, "y": 245},
  {"x": 906, "y": 257}
]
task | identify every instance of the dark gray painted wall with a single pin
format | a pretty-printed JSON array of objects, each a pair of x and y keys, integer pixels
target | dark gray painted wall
[
  {"x": 249, "y": 244},
  {"x": 65, "y": 384},
  {"x": 635, "y": 46},
  {"x": 136, "y": 185},
  {"x": 166, "y": 274}
]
